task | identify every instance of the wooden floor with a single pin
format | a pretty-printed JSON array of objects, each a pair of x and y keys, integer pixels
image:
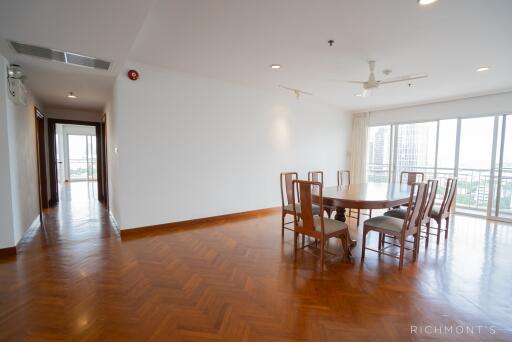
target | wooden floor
[{"x": 237, "y": 281}]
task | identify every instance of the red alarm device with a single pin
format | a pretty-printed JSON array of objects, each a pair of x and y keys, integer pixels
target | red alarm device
[{"x": 133, "y": 75}]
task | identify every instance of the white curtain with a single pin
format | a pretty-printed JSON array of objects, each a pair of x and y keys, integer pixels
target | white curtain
[{"x": 358, "y": 147}]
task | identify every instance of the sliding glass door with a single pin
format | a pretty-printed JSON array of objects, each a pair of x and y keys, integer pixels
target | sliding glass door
[
  {"x": 477, "y": 151},
  {"x": 379, "y": 154},
  {"x": 416, "y": 149},
  {"x": 501, "y": 206},
  {"x": 475, "y": 160},
  {"x": 81, "y": 157}
]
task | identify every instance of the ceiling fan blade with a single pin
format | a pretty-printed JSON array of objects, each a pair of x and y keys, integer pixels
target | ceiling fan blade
[
  {"x": 355, "y": 82},
  {"x": 402, "y": 78},
  {"x": 296, "y": 91},
  {"x": 285, "y": 87}
]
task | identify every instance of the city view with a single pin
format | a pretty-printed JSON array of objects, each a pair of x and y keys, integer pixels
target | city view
[{"x": 415, "y": 150}]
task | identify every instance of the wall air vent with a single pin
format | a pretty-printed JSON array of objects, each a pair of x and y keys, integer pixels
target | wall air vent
[{"x": 60, "y": 56}]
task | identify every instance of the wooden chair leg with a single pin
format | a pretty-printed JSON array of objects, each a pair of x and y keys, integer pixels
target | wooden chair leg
[
  {"x": 363, "y": 244},
  {"x": 282, "y": 223},
  {"x": 370, "y": 213},
  {"x": 415, "y": 247},
  {"x": 328, "y": 212},
  {"x": 344, "y": 242},
  {"x": 418, "y": 237},
  {"x": 447, "y": 224},
  {"x": 322, "y": 248},
  {"x": 381, "y": 241},
  {"x": 358, "y": 213},
  {"x": 428, "y": 233},
  {"x": 303, "y": 240},
  {"x": 295, "y": 237},
  {"x": 402, "y": 243},
  {"x": 438, "y": 230}
]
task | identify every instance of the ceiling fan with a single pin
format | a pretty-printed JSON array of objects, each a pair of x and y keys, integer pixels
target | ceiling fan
[{"x": 372, "y": 83}]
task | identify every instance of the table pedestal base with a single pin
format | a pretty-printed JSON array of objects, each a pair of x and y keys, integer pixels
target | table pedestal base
[{"x": 340, "y": 215}]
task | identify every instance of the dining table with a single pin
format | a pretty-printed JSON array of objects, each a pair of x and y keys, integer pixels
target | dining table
[{"x": 364, "y": 196}]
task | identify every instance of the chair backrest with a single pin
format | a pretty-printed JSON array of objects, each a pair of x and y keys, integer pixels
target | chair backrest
[
  {"x": 305, "y": 190},
  {"x": 343, "y": 177},
  {"x": 286, "y": 181},
  {"x": 417, "y": 201},
  {"x": 431, "y": 198},
  {"x": 449, "y": 195},
  {"x": 412, "y": 177},
  {"x": 316, "y": 176}
]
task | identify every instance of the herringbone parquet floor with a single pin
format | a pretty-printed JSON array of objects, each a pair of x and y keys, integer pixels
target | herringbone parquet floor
[{"x": 237, "y": 280}]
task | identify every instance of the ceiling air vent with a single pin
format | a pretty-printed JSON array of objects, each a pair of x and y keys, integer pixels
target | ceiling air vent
[{"x": 60, "y": 56}]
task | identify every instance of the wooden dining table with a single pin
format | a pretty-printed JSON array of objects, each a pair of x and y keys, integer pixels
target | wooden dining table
[{"x": 364, "y": 196}]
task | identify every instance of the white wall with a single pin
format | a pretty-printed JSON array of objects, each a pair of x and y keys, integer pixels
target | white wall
[
  {"x": 23, "y": 163},
  {"x": 19, "y": 167},
  {"x": 191, "y": 147},
  {"x": 112, "y": 160},
  {"x": 6, "y": 225},
  {"x": 474, "y": 106}
]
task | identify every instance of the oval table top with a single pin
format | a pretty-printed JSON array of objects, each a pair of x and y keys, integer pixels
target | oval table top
[{"x": 367, "y": 195}]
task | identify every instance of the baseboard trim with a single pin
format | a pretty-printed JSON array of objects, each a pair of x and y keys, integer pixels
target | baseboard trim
[
  {"x": 7, "y": 252},
  {"x": 205, "y": 220}
]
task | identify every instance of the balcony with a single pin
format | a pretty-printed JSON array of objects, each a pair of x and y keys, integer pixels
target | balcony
[
  {"x": 472, "y": 187},
  {"x": 82, "y": 169}
]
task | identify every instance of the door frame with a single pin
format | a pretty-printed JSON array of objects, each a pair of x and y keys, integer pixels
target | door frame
[
  {"x": 52, "y": 157},
  {"x": 103, "y": 127},
  {"x": 494, "y": 196},
  {"x": 42, "y": 183}
]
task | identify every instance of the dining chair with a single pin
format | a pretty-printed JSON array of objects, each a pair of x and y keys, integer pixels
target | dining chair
[
  {"x": 443, "y": 211},
  {"x": 399, "y": 228},
  {"x": 412, "y": 177},
  {"x": 286, "y": 181},
  {"x": 318, "y": 227},
  {"x": 318, "y": 176},
  {"x": 343, "y": 177},
  {"x": 427, "y": 212}
]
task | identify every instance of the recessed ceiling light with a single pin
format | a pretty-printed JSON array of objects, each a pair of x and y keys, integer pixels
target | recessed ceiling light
[
  {"x": 275, "y": 66},
  {"x": 71, "y": 95},
  {"x": 482, "y": 69},
  {"x": 426, "y": 2},
  {"x": 359, "y": 95}
]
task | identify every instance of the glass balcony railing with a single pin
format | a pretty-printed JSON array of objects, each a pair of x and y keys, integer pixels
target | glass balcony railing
[
  {"x": 81, "y": 169},
  {"x": 472, "y": 186}
]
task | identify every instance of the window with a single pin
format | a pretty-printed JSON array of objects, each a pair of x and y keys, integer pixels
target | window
[
  {"x": 379, "y": 147},
  {"x": 475, "y": 156},
  {"x": 446, "y": 153},
  {"x": 416, "y": 148},
  {"x": 464, "y": 148}
]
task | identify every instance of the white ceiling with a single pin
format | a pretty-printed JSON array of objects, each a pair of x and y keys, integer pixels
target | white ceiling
[
  {"x": 237, "y": 40},
  {"x": 99, "y": 28}
]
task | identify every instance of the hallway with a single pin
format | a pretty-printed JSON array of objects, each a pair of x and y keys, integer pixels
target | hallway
[{"x": 78, "y": 217}]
